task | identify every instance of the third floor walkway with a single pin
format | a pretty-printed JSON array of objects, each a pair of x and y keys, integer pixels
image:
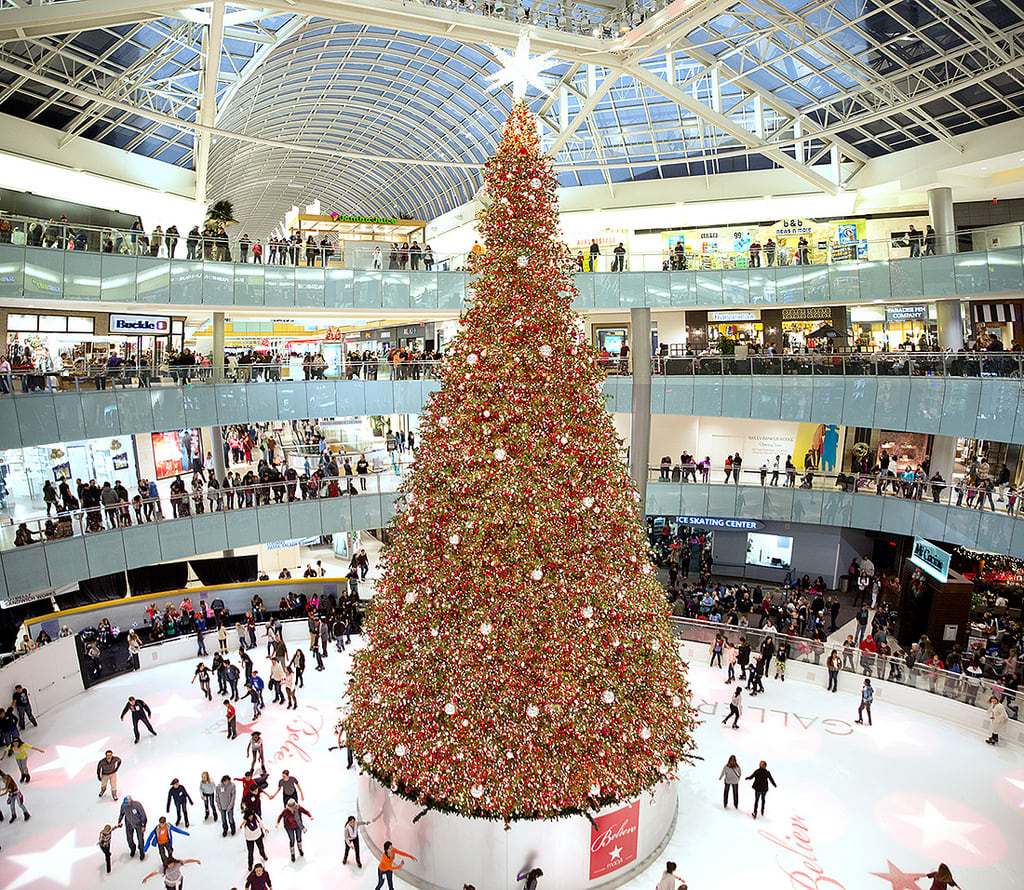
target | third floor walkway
[{"x": 38, "y": 274}]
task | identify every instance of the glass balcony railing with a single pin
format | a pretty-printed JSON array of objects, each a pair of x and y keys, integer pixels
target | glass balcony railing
[{"x": 100, "y": 265}]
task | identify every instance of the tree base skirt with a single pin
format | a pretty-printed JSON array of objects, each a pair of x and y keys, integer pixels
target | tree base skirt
[{"x": 452, "y": 850}]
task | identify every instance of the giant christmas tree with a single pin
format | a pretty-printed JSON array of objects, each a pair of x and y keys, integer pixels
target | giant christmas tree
[{"x": 520, "y": 663}]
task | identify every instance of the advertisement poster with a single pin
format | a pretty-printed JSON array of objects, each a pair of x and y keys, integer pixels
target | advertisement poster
[
  {"x": 121, "y": 461},
  {"x": 169, "y": 452},
  {"x": 62, "y": 472},
  {"x": 613, "y": 840}
]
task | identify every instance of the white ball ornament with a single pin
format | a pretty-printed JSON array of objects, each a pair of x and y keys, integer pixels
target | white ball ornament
[
  {"x": 472, "y": 358},
  {"x": 662, "y": 769},
  {"x": 499, "y": 454},
  {"x": 595, "y": 790},
  {"x": 588, "y": 612},
  {"x": 676, "y": 701},
  {"x": 410, "y": 597},
  {"x": 443, "y": 423},
  {"x": 645, "y": 733},
  {"x": 535, "y": 183},
  {"x": 369, "y": 757},
  {"x": 400, "y": 750},
  {"x": 449, "y": 709},
  {"x": 564, "y": 440},
  {"x": 536, "y": 574},
  {"x": 588, "y": 502},
  {"x": 477, "y": 791},
  {"x": 522, "y": 261},
  {"x": 546, "y": 351},
  {"x": 655, "y": 645},
  {"x": 487, "y": 413},
  {"x": 454, "y": 539},
  {"x": 608, "y": 697},
  {"x": 485, "y": 628},
  {"x": 532, "y": 711}
]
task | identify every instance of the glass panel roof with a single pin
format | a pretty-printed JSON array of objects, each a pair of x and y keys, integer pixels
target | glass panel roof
[{"x": 356, "y": 110}]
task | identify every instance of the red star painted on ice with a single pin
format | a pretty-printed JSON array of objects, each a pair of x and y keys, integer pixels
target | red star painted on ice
[{"x": 900, "y": 880}]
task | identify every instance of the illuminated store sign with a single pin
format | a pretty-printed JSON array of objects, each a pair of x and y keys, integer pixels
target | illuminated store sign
[
  {"x": 931, "y": 559},
  {"x": 722, "y": 523},
  {"x": 139, "y": 325},
  {"x": 735, "y": 315},
  {"x": 907, "y": 313}
]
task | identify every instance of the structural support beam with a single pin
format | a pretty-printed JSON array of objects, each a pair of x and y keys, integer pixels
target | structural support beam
[
  {"x": 729, "y": 126},
  {"x": 213, "y": 37},
  {"x": 597, "y": 93}
]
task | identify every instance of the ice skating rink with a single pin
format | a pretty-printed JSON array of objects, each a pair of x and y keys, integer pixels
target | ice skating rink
[{"x": 857, "y": 808}]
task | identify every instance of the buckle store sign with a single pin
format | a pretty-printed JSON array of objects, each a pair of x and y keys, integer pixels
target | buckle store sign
[
  {"x": 139, "y": 325},
  {"x": 613, "y": 840}
]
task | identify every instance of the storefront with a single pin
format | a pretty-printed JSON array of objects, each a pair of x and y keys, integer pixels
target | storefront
[
  {"x": 24, "y": 470},
  {"x": 739, "y": 325},
  {"x": 79, "y": 343},
  {"x": 1001, "y": 319},
  {"x": 875, "y": 328},
  {"x": 729, "y": 247}
]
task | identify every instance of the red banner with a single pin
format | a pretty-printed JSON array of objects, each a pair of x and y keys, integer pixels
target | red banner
[{"x": 613, "y": 843}]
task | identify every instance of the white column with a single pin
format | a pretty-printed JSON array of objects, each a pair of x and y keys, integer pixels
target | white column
[{"x": 640, "y": 420}]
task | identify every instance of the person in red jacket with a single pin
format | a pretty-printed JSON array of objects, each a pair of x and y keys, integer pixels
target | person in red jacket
[
  {"x": 387, "y": 865},
  {"x": 291, "y": 814}
]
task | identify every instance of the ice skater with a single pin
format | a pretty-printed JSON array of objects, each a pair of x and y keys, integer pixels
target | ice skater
[
  {"x": 867, "y": 695},
  {"x": 133, "y": 818},
  {"x": 225, "y": 797},
  {"x": 202, "y": 672},
  {"x": 178, "y": 793},
  {"x": 255, "y": 686},
  {"x": 171, "y": 870},
  {"x": 141, "y": 713},
  {"x": 999, "y": 717},
  {"x": 352, "y": 839},
  {"x": 104, "y": 843},
  {"x": 19, "y": 751},
  {"x": 386, "y": 867},
  {"x": 292, "y": 815},
  {"x": 162, "y": 837},
  {"x": 232, "y": 718},
  {"x": 730, "y": 776},
  {"x": 208, "y": 790},
  {"x": 253, "y": 831},
  {"x": 735, "y": 708},
  {"x": 255, "y": 750},
  {"x": 23, "y": 705},
  {"x": 761, "y": 778},
  {"x": 14, "y": 798},
  {"x": 106, "y": 773}
]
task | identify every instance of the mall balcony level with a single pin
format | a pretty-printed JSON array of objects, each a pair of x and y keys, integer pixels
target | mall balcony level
[
  {"x": 39, "y": 566},
  {"x": 972, "y": 397},
  {"x": 39, "y": 274}
]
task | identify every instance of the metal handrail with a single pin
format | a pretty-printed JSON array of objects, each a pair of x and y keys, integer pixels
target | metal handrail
[
  {"x": 894, "y": 668},
  {"x": 874, "y": 483},
  {"x": 80, "y": 521},
  {"x": 35, "y": 232}
]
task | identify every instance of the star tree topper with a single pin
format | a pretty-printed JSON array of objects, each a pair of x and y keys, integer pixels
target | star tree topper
[{"x": 519, "y": 69}]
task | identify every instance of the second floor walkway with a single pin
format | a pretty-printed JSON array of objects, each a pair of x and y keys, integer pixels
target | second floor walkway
[{"x": 967, "y": 397}]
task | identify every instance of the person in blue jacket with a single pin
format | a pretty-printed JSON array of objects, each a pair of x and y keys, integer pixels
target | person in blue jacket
[{"x": 180, "y": 796}]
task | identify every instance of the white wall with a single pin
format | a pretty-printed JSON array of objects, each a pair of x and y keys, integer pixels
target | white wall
[
  {"x": 756, "y": 440},
  {"x": 34, "y": 161},
  {"x": 50, "y": 674}
]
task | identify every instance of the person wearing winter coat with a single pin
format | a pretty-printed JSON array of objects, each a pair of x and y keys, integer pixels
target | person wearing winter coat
[
  {"x": 761, "y": 778},
  {"x": 997, "y": 714},
  {"x": 731, "y": 775}
]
